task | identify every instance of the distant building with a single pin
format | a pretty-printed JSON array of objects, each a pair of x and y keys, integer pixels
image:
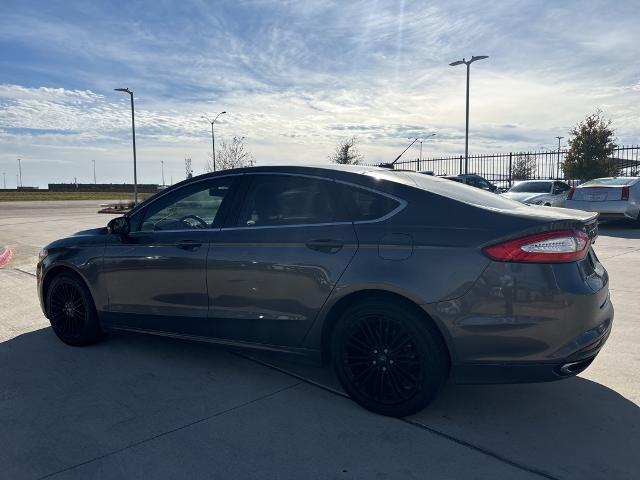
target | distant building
[{"x": 103, "y": 187}]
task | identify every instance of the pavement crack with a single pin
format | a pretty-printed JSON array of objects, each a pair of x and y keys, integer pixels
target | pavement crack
[
  {"x": 24, "y": 271},
  {"x": 168, "y": 432},
  {"x": 632, "y": 250}
]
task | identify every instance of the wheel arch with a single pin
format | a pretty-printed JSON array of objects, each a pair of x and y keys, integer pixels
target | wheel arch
[
  {"x": 338, "y": 308},
  {"x": 53, "y": 272}
]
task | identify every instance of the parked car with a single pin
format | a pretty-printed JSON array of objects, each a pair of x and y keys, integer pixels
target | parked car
[
  {"x": 550, "y": 193},
  {"x": 400, "y": 280},
  {"x": 473, "y": 180},
  {"x": 611, "y": 197}
]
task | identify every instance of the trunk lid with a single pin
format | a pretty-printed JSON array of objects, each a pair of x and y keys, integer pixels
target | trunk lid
[{"x": 598, "y": 194}]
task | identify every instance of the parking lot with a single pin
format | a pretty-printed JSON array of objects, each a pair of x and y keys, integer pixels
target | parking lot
[{"x": 137, "y": 406}]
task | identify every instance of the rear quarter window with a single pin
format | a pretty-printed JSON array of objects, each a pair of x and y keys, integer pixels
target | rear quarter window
[{"x": 366, "y": 205}]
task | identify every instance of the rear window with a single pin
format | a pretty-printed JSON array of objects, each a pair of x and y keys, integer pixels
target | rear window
[
  {"x": 456, "y": 191},
  {"x": 614, "y": 182}
]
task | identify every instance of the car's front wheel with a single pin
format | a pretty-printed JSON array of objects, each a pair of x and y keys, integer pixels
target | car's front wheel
[
  {"x": 388, "y": 358},
  {"x": 71, "y": 311}
]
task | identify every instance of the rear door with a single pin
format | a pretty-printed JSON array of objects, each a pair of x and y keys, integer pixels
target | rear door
[{"x": 278, "y": 258}]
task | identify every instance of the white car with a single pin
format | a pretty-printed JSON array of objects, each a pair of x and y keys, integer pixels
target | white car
[
  {"x": 611, "y": 197},
  {"x": 551, "y": 193}
]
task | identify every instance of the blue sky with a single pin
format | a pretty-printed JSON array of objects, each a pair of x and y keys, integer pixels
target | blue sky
[{"x": 297, "y": 76}]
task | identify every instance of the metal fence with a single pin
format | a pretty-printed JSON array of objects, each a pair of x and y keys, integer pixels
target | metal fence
[{"x": 505, "y": 168}]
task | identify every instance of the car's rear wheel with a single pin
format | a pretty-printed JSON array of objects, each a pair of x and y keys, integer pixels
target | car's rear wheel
[
  {"x": 71, "y": 311},
  {"x": 388, "y": 358}
]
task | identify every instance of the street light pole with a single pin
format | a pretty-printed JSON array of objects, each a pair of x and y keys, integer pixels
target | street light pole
[
  {"x": 20, "y": 170},
  {"x": 133, "y": 130},
  {"x": 94, "y": 172},
  {"x": 558, "y": 173},
  {"x": 4, "y": 180},
  {"x": 213, "y": 138},
  {"x": 162, "y": 164},
  {"x": 466, "y": 137}
]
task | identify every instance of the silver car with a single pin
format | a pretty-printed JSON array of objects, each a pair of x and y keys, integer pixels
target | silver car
[
  {"x": 611, "y": 197},
  {"x": 550, "y": 193}
]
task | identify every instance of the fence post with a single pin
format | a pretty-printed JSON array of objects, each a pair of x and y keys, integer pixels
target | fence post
[
  {"x": 460, "y": 165},
  {"x": 510, "y": 168}
]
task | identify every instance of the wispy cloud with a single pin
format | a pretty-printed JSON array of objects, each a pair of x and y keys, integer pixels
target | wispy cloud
[{"x": 296, "y": 76}]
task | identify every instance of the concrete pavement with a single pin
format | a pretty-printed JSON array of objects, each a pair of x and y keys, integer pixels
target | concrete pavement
[{"x": 137, "y": 406}]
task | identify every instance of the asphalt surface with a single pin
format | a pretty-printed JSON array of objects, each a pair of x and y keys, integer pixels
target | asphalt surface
[{"x": 142, "y": 407}]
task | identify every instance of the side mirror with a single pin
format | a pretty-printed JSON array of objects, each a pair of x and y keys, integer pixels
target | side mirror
[
  {"x": 119, "y": 226},
  {"x": 493, "y": 188}
]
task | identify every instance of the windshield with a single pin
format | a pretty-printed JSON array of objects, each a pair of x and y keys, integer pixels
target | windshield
[
  {"x": 610, "y": 181},
  {"x": 532, "y": 187}
]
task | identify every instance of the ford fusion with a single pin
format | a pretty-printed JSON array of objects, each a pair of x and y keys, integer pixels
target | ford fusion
[{"x": 399, "y": 280}]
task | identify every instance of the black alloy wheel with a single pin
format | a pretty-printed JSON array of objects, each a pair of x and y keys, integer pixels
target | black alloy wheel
[
  {"x": 71, "y": 311},
  {"x": 388, "y": 359}
]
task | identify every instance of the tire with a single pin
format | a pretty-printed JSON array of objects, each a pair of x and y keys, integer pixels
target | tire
[
  {"x": 71, "y": 311},
  {"x": 388, "y": 358}
]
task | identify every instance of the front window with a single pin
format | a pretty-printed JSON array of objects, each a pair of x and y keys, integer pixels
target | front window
[
  {"x": 481, "y": 183},
  {"x": 192, "y": 207}
]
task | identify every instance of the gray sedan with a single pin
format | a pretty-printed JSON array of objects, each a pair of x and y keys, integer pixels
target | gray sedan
[
  {"x": 612, "y": 198},
  {"x": 398, "y": 279}
]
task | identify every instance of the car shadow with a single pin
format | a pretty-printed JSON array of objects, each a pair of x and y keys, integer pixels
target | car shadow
[
  {"x": 61, "y": 405},
  {"x": 619, "y": 228},
  {"x": 574, "y": 428}
]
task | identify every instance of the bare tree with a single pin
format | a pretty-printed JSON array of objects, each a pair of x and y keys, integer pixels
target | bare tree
[
  {"x": 524, "y": 167},
  {"x": 231, "y": 155},
  {"x": 346, "y": 152}
]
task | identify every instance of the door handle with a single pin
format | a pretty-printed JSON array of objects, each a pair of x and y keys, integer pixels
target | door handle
[
  {"x": 189, "y": 245},
  {"x": 325, "y": 245}
]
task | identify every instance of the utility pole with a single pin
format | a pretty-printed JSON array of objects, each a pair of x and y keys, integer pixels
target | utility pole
[
  {"x": 20, "y": 170},
  {"x": 558, "y": 173},
  {"x": 162, "y": 165},
  {"x": 466, "y": 136},
  {"x": 94, "y": 172},
  {"x": 4, "y": 180}
]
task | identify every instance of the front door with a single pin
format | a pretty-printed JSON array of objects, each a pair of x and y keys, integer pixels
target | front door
[
  {"x": 156, "y": 275},
  {"x": 278, "y": 258}
]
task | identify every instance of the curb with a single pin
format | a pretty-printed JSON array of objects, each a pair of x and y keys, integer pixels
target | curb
[{"x": 5, "y": 255}]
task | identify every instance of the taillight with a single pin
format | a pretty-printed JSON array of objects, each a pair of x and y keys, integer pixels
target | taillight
[
  {"x": 625, "y": 193},
  {"x": 571, "y": 192},
  {"x": 558, "y": 246}
]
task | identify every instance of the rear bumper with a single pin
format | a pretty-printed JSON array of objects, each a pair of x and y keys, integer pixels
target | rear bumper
[
  {"x": 528, "y": 322},
  {"x": 487, "y": 373},
  {"x": 608, "y": 210}
]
